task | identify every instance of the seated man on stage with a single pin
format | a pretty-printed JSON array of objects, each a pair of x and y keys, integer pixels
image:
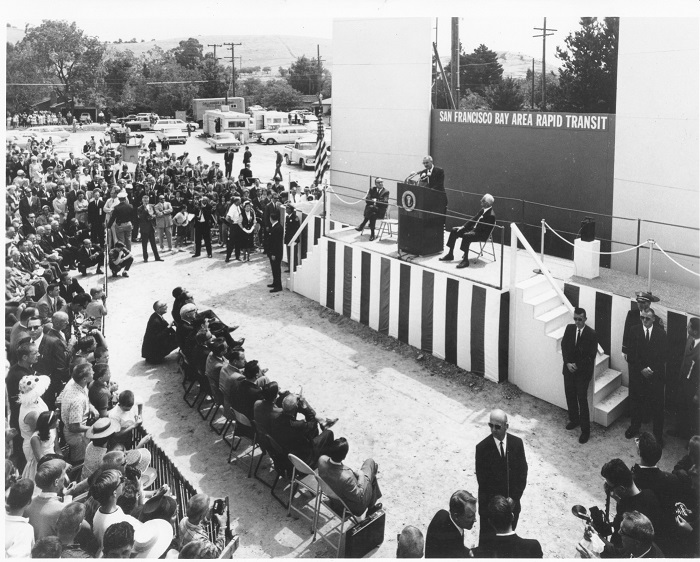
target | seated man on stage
[
  {"x": 377, "y": 199},
  {"x": 476, "y": 229}
]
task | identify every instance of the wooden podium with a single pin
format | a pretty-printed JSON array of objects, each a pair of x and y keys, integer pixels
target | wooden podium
[{"x": 421, "y": 219}]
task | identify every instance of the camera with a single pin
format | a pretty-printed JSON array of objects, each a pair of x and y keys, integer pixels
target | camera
[
  {"x": 599, "y": 522},
  {"x": 218, "y": 507}
]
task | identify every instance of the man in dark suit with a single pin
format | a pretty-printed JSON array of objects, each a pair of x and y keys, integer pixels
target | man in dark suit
[
  {"x": 445, "y": 536},
  {"x": 647, "y": 373},
  {"x": 579, "y": 348},
  {"x": 159, "y": 339},
  {"x": 246, "y": 392},
  {"x": 687, "y": 385},
  {"x": 476, "y": 229},
  {"x": 275, "y": 251},
  {"x": 89, "y": 255},
  {"x": 203, "y": 222},
  {"x": 501, "y": 468},
  {"x": 644, "y": 301},
  {"x": 505, "y": 543},
  {"x": 51, "y": 302},
  {"x": 69, "y": 287},
  {"x": 54, "y": 357},
  {"x": 147, "y": 225},
  {"x": 434, "y": 176},
  {"x": 228, "y": 162}
]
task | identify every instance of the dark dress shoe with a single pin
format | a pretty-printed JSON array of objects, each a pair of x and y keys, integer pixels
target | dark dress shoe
[
  {"x": 584, "y": 437},
  {"x": 227, "y": 260},
  {"x": 99, "y": 271},
  {"x": 447, "y": 257},
  {"x": 277, "y": 290},
  {"x": 196, "y": 255},
  {"x": 572, "y": 425},
  {"x": 463, "y": 264},
  {"x": 160, "y": 259},
  {"x": 376, "y": 507},
  {"x": 270, "y": 284},
  {"x": 631, "y": 432},
  {"x": 371, "y": 237},
  {"x": 359, "y": 229},
  {"x": 208, "y": 255}
]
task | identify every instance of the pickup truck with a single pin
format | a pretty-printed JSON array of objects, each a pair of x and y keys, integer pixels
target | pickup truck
[{"x": 302, "y": 152}]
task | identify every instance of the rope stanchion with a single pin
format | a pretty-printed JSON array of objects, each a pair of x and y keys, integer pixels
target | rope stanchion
[
  {"x": 674, "y": 261},
  {"x": 593, "y": 251}
]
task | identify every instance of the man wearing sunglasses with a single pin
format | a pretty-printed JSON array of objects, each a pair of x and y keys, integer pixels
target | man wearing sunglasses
[
  {"x": 501, "y": 469},
  {"x": 647, "y": 370}
]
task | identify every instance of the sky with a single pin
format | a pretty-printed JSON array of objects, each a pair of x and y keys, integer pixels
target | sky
[{"x": 504, "y": 25}]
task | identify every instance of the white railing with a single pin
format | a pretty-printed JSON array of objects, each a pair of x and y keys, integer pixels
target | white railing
[
  {"x": 517, "y": 235},
  {"x": 291, "y": 245}
]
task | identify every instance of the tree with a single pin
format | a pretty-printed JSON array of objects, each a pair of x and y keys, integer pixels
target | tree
[
  {"x": 283, "y": 72},
  {"x": 477, "y": 70},
  {"x": 305, "y": 77},
  {"x": 189, "y": 53},
  {"x": 280, "y": 95},
  {"x": 65, "y": 53},
  {"x": 505, "y": 96},
  {"x": 20, "y": 68},
  {"x": 119, "y": 69},
  {"x": 588, "y": 80},
  {"x": 217, "y": 78},
  {"x": 253, "y": 90}
]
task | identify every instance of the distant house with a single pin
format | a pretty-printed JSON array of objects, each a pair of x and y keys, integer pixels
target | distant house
[{"x": 52, "y": 104}]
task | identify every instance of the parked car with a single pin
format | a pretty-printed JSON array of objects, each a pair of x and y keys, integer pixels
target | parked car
[
  {"x": 288, "y": 133},
  {"x": 85, "y": 118},
  {"x": 162, "y": 124},
  {"x": 222, "y": 141},
  {"x": 302, "y": 152},
  {"x": 53, "y": 131},
  {"x": 173, "y": 135},
  {"x": 123, "y": 120}
]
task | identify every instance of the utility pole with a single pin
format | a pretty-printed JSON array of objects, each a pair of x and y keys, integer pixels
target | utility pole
[
  {"x": 454, "y": 63},
  {"x": 215, "y": 46},
  {"x": 532, "y": 91},
  {"x": 544, "y": 34},
  {"x": 320, "y": 74},
  {"x": 232, "y": 48}
]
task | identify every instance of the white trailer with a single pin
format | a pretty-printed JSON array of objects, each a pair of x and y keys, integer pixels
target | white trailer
[{"x": 228, "y": 122}]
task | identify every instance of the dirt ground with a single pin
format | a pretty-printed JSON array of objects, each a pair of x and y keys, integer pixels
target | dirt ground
[{"x": 418, "y": 417}]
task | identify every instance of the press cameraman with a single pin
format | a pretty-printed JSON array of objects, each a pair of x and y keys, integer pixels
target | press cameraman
[
  {"x": 619, "y": 485},
  {"x": 193, "y": 527},
  {"x": 637, "y": 540}
]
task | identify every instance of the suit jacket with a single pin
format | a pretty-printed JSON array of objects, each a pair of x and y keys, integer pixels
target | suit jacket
[
  {"x": 642, "y": 354},
  {"x": 355, "y": 491},
  {"x": 31, "y": 205},
  {"x": 497, "y": 476},
  {"x": 444, "y": 539},
  {"x": 295, "y": 436},
  {"x": 165, "y": 218},
  {"x": 147, "y": 220},
  {"x": 632, "y": 319},
  {"x": 481, "y": 224},
  {"x": 47, "y": 308},
  {"x": 53, "y": 356},
  {"x": 228, "y": 158},
  {"x": 265, "y": 414},
  {"x": 688, "y": 374},
  {"x": 159, "y": 339},
  {"x": 95, "y": 211},
  {"x": 376, "y": 209},
  {"x": 275, "y": 241},
  {"x": 208, "y": 219},
  {"x": 583, "y": 353},
  {"x": 509, "y": 546},
  {"x": 436, "y": 180},
  {"x": 67, "y": 293},
  {"x": 245, "y": 394}
]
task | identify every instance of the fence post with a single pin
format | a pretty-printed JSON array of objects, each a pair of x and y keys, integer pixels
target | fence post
[
  {"x": 651, "y": 252},
  {"x": 639, "y": 234},
  {"x": 542, "y": 231}
]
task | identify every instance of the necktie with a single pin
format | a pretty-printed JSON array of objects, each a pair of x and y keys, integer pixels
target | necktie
[
  {"x": 647, "y": 336},
  {"x": 578, "y": 335},
  {"x": 502, "y": 452}
]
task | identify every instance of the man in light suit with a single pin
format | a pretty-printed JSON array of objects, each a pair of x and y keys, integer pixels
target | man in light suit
[
  {"x": 476, "y": 229},
  {"x": 505, "y": 543},
  {"x": 164, "y": 222},
  {"x": 687, "y": 417},
  {"x": 445, "y": 536},
  {"x": 51, "y": 302},
  {"x": 647, "y": 371},
  {"x": 501, "y": 469},
  {"x": 358, "y": 489},
  {"x": 579, "y": 348}
]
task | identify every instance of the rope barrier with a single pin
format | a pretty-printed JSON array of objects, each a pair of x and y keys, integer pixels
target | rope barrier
[
  {"x": 593, "y": 251},
  {"x": 674, "y": 261},
  {"x": 344, "y": 201}
]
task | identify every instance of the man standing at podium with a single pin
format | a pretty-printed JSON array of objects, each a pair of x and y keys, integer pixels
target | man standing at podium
[
  {"x": 476, "y": 229},
  {"x": 434, "y": 176}
]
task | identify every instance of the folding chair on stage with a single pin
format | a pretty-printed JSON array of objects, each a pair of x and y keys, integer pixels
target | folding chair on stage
[
  {"x": 303, "y": 476},
  {"x": 387, "y": 225},
  {"x": 483, "y": 250}
]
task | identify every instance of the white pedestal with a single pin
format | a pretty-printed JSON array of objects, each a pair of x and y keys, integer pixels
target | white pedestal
[{"x": 587, "y": 258}]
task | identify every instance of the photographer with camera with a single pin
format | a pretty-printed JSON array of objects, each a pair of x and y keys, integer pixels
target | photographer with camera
[
  {"x": 636, "y": 536},
  {"x": 619, "y": 485},
  {"x": 193, "y": 527}
]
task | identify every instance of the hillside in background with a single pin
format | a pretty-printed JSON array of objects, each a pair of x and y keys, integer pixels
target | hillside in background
[{"x": 282, "y": 50}]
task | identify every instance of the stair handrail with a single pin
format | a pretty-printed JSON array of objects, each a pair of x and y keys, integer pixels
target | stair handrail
[
  {"x": 302, "y": 226},
  {"x": 518, "y": 235}
]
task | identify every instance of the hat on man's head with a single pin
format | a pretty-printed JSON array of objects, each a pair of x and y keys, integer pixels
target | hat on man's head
[
  {"x": 643, "y": 296},
  {"x": 20, "y": 172},
  {"x": 152, "y": 539},
  {"x": 158, "y": 507},
  {"x": 103, "y": 427},
  {"x": 122, "y": 194}
]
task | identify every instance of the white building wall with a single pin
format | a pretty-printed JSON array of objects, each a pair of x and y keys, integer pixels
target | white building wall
[
  {"x": 656, "y": 143},
  {"x": 381, "y": 100}
]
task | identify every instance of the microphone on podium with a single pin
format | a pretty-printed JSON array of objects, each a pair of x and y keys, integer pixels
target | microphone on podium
[{"x": 410, "y": 176}]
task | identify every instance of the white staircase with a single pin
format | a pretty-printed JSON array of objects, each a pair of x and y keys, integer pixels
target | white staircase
[{"x": 606, "y": 396}]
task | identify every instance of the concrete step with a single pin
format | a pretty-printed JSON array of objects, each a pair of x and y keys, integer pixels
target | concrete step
[
  {"x": 605, "y": 384},
  {"x": 554, "y": 319},
  {"x": 612, "y": 407},
  {"x": 602, "y": 362},
  {"x": 534, "y": 286},
  {"x": 557, "y": 335},
  {"x": 543, "y": 302}
]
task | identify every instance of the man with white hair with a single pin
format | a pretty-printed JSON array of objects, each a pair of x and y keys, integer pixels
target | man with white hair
[{"x": 476, "y": 229}]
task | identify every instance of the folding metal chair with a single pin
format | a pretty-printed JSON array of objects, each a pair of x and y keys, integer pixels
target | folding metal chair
[
  {"x": 483, "y": 250},
  {"x": 388, "y": 225},
  {"x": 328, "y": 498},
  {"x": 218, "y": 398},
  {"x": 281, "y": 465},
  {"x": 304, "y": 476},
  {"x": 242, "y": 422}
]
